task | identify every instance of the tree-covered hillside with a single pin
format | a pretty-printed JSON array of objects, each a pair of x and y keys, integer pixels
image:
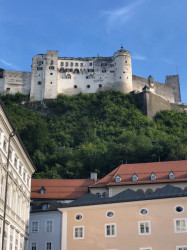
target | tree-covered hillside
[{"x": 95, "y": 132}]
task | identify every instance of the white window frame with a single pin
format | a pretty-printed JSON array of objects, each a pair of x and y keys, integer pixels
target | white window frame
[
  {"x": 46, "y": 227},
  {"x": 177, "y": 247},
  {"x": 46, "y": 244},
  {"x": 115, "y": 230},
  {"x": 32, "y": 245},
  {"x": 139, "y": 228},
  {"x": 180, "y": 231},
  {"x": 34, "y": 221},
  {"x": 78, "y": 238}
]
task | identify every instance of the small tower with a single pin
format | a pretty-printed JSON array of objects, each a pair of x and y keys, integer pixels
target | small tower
[{"x": 123, "y": 70}]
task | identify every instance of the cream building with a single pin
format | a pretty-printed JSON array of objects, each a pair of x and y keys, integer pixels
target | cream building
[
  {"x": 15, "y": 185},
  {"x": 135, "y": 207}
]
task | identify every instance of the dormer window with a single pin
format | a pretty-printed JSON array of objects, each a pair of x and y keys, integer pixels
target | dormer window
[
  {"x": 42, "y": 190},
  {"x": 45, "y": 206},
  {"x": 153, "y": 176},
  {"x": 134, "y": 177},
  {"x": 118, "y": 178},
  {"x": 171, "y": 175}
]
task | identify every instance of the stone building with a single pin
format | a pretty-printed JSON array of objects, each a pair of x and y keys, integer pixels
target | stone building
[
  {"x": 16, "y": 169},
  {"x": 135, "y": 207},
  {"x": 52, "y": 75}
]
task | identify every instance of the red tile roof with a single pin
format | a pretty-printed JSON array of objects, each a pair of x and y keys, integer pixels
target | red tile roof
[
  {"x": 144, "y": 171},
  {"x": 60, "y": 189}
]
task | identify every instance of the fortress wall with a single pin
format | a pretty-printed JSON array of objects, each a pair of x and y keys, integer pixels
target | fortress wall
[
  {"x": 138, "y": 83},
  {"x": 173, "y": 81},
  {"x": 164, "y": 91},
  {"x": 85, "y": 81},
  {"x": 2, "y": 85},
  {"x": 16, "y": 81}
]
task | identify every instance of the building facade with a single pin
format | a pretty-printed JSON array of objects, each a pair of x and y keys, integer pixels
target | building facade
[
  {"x": 15, "y": 185},
  {"x": 52, "y": 75},
  {"x": 135, "y": 207}
]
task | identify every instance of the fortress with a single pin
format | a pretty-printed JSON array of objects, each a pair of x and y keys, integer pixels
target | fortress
[{"x": 52, "y": 75}]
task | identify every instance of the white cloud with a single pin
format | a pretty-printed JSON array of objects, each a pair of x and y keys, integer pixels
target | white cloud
[
  {"x": 139, "y": 57},
  {"x": 7, "y": 64},
  {"x": 121, "y": 15}
]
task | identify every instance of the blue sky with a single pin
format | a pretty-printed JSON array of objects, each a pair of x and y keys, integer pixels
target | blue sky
[{"x": 154, "y": 31}]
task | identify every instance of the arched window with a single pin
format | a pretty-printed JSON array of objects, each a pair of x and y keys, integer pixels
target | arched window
[
  {"x": 153, "y": 176},
  {"x": 134, "y": 177},
  {"x": 76, "y": 71},
  {"x": 62, "y": 70},
  {"x": 68, "y": 76}
]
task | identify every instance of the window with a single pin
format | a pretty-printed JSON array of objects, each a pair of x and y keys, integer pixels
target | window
[
  {"x": 111, "y": 71},
  {"x": 78, "y": 232},
  {"x": 67, "y": 64},
  {"x": 179, "y": 209},
  {"x": 8, "y": 89},
  {"x": 110, "y": 230},
  {"x": 19, "y": 169},
  {"x": 76, "y": 64},
  {"x": 182, "y": 248},
  {"x": 75, "y": 86},
  {"x": 180, "y": 225},
  {"x": 118, "y": 178},
  {"x": 68, "y": 76},
  {"x": 100, "y": 86},
  {"x": 90, "y": 70},
  {"x": 51, "y": 62},
  {"x": 33, "y": 247},
  {"x": 88, "y": 86},
  {"x": 5, "y": 145},
  {"x": 34, "y": 226},
  {"x": 51, "y": 67},
  {"x": 103, "y": 64},
  {"x": 71, "y": 64},
  {"x": 39, "y": 68},
  {"x": 134, "y": 177},
  {"x": 45, "y": 206},
  {"x": 78, "y": 217},
  {"x": 171, "y": 175},
  {"x": 144, "y": 227},
  {"x": 143, "y": 211},
  {"x": 103, "y": 71},
  {"x": 91, "y": 64},
  {"x": 49, "y": 226},
  {"x": 39, "y": 83},
  {"x": 51, "y": 74},
  {"x": 81, "y": 64},
  {"x": 110, "y": 214},
  {"x": 48, "y": 246},
  {"x": 62, "y": 64},
  {"x": 153, "y": 176}
]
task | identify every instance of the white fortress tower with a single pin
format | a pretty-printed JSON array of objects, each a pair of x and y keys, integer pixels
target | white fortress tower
[{"x": 123, "y": 71}]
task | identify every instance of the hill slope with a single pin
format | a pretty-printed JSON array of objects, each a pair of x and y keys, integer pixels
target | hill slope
[{"x": 95, "y": 132}]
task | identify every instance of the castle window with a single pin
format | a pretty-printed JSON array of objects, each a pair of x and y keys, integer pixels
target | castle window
[
  {"x": 126, "y": 61},
  {"x": 100, "y": 85},
  {"x": 71, "y": 64},
  {"x": 75, "y": 86},
  {"x": 81, "y": 64},
  {"x": 91, "y": 64},
  {"x": 67, "y": 64},
  {"x": 104, "y": 71},
  {"x": 120, "y": 77},
  {"x": 76, "y": 71},
  {"x": 51, "y": 74},
  {"x": 124, "y": 72},
  {"x": 42, "y": 190},
  {"x": 90, "y": 70},
  {"x": 87, "y": 77},
  {"x": 88, "y": 86},
  {"x": 8, "y": 89},
  {"x": 51, "y": 67},
  {"x": 62, "y": 70},
  {"x": 127, "y": 77},
  {"x": 103, "y": 64},
  {"x": 62, "y": 64},
  {"x": 76, "y": 64},
  {"x": 68, "y": 76},
  {"x": 51, "y": 62},
  {"x": 39, "y": 68},
  {"x": 111, "y": 71},
  {"x": 111, "y": 65},
  {"x": 51, "y": 82}
]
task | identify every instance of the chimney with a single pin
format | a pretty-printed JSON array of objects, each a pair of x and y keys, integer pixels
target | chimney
[{"x": 93, "y": 176}]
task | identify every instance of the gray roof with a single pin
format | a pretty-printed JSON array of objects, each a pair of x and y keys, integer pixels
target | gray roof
[{"x": 129, "y": 195}]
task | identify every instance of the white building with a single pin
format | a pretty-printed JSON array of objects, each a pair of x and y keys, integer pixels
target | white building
[
  {"x": 16, "y": 169},
  {"x": 52, "y": 75}
]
